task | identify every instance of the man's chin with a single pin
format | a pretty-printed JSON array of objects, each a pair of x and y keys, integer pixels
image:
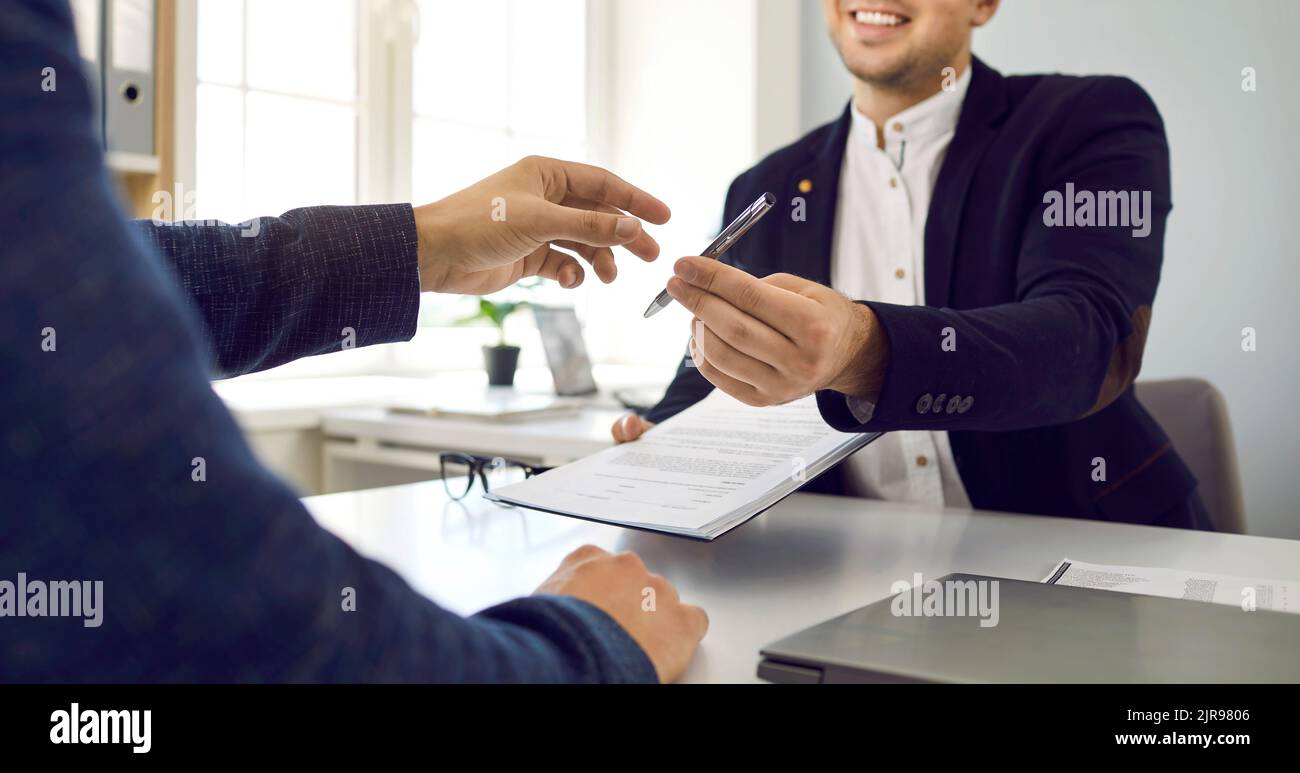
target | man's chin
[{"x": 880, "y": 71}]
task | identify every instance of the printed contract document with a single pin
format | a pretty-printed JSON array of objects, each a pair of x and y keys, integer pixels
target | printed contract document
[
  {"x": 1247, "y": 592},
  {"x": 699, "y": 474}
]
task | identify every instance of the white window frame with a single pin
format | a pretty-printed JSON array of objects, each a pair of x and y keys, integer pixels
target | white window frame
[{"x": 387, "y": 31}]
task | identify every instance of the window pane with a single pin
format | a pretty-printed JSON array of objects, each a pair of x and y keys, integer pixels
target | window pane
[
  {"x": 300, "y": 153},
  {"x": 548, "y": 68},
  {"x": 460, "y": 61},
  {"x": 219, "y": 154},
  {"x": 449, "y": 157},
  {"x": 221, "y": 41},
  {"x": 306, "y": 47}
]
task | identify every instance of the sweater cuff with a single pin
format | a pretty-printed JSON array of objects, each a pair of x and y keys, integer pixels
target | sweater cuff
[
  {"x": 394, "y": 270},
  {"x": 597, "y": 647}
]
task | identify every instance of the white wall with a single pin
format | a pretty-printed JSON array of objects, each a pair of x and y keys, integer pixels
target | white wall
[{"x": 1231, "y": 255}]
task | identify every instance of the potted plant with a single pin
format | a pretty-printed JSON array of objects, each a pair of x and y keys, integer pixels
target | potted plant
[{"x": 502, "y": 359}]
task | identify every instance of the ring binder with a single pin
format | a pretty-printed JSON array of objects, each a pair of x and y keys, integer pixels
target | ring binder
[{"x": 128, "y": 66}]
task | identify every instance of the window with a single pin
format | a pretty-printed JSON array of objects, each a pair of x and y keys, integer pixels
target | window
[
  {"x": 489, "y": 81},
  {"x": 518, "y": 87},
  {"x": 404, "y": 100},
  {"x": 264, "y": 65}
]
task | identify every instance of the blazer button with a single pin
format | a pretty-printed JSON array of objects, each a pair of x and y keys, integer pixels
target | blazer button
[
  {"x": 966, "y": 404},
  {"x": 953, "y": 403},
  {"x": 923, "y": 405},
  {"x": 938, "y": 403}
]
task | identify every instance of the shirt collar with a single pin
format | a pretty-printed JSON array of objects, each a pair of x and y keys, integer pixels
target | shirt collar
[{"x": 931, "y": 117}]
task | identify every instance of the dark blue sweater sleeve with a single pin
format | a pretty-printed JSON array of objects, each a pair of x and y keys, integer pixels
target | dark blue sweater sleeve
[
  {"x": 312, "y": 281},
  {"x": 120, "y": 465}
]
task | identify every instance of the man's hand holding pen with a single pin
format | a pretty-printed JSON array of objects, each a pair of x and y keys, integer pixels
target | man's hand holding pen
[{"x": 772, "y": 340}]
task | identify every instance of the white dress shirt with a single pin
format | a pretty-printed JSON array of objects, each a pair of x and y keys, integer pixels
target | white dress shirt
[{"x": 878, "y": 253}]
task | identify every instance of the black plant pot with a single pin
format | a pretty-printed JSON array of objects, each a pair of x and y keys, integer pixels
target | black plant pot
[{"x": 501, "y": 362}]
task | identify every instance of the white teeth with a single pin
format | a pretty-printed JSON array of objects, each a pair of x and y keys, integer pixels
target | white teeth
[{"x": 877, "y": 18}]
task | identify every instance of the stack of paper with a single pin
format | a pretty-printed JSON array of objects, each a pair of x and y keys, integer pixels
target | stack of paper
[
  {"x": 699, "y": 474},
  {"x": 1249, "y": 593}
]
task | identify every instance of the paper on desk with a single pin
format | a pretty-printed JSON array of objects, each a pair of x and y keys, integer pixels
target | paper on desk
[
  {"x": 701, "y": 472},
  {"x": 1277, "y": 595}
]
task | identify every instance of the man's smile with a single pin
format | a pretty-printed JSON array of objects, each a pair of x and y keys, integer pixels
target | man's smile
[{"x": 873, "y": 23}]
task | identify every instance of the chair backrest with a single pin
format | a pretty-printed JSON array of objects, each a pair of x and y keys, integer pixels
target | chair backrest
[{"x": 1195, "y": 416}]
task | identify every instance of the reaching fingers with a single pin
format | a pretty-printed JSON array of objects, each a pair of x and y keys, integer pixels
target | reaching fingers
[
  {"x": 600, "y": 258},
  {"x": 549, "y": 263},
  {"x": 596, "y": 184},
  {"x": 643, "y": 245},
  {"x": 546, "y": 222}
]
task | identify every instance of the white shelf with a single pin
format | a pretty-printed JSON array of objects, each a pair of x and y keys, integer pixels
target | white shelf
[{"x": 133, "y": 163}]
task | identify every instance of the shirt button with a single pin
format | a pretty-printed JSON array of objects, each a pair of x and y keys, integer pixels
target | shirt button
[
  {"x": 893, "y": 182},
  {"x": 898, "y": 127},
  {"x": 921, "y": 461},
  {"x": 899, "y": 273}
]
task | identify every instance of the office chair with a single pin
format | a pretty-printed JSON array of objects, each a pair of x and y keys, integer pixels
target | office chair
[{"x": 1195, "y": 416}]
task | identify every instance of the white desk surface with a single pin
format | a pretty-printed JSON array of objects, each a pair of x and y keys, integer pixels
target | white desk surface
[
  {"x": 296, "y": 404},
  {"x": 260, "y": 403},
  {"x": 557, "y": 440},
  {"x": 808, "y": 559}
]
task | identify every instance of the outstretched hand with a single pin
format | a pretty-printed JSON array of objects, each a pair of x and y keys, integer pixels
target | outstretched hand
[{"x": 507, "y": 227}]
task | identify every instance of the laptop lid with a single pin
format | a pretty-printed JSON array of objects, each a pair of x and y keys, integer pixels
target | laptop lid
[
  {"x": 566, "y": 351},
  {"x": 1019, "y": 631}
]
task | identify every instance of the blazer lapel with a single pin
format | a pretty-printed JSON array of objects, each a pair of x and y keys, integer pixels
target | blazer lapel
[
  {"x": 816, "y": 183},
  {"x": 986, "y": 102}
]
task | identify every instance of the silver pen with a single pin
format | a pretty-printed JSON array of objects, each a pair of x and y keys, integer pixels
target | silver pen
[{"x": 752, "y": 214}]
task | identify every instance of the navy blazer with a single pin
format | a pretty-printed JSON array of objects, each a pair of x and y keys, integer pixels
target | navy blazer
[
  {"x": 1049, "y": 322},
  {"x": 108, "y": 336}
]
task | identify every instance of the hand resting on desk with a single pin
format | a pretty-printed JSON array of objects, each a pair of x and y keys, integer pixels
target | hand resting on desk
[{"x": 645, "y": 604}]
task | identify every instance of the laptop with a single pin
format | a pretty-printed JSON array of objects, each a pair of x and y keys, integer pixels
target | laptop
[
  {"x": 566, "y": 351},
  {"x": 1033, "y": 632},
  {"x": 566, "y": 354}
]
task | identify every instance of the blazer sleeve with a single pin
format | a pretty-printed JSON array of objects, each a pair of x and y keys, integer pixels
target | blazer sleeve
[
  {"x": 1073, "y": 340},
  {"x": 119, "y": 464},
  {"x": 312, "y": 281}
]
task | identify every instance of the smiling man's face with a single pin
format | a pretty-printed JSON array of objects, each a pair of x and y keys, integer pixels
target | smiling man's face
[{"x": 903, "y": 43}]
